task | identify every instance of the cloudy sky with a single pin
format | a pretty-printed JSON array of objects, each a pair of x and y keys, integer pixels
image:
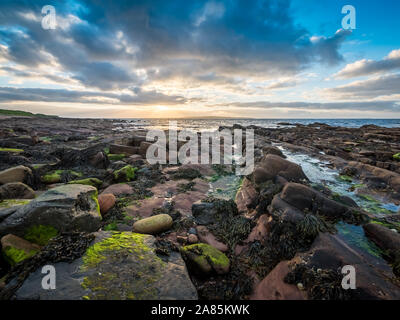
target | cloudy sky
[{"x": 192, "y": 58}]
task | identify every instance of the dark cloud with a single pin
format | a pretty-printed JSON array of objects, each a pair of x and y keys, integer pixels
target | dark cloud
[
  {"x": 205, "y": 41},
  {"x": 137, "y": 97}
]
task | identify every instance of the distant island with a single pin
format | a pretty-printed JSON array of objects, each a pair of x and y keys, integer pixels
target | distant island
[{"x": 18, "y": 113}]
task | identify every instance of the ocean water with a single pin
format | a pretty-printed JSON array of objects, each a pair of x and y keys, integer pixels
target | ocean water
[{"x": 213, "y": 124}]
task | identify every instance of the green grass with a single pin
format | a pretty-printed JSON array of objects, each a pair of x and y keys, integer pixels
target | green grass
[{"x": 19, "y": 113}]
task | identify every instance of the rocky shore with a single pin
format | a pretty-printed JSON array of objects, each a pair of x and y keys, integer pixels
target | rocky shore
[{"x": 78, "y": 194}]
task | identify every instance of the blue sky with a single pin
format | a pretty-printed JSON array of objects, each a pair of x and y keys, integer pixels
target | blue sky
[{"x": 183, "y": 58}]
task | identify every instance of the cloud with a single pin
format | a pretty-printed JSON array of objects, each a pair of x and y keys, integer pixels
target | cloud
[
  {"x": 314, "y": 106},
  {"x": 104, "y": 46},
  {"x": 369, "y": 67},
  {"x": 371, "y": 88},
  {"x": 138, "y": 97}
]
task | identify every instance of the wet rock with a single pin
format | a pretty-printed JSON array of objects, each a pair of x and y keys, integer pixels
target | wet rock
[
  {"x": 205, "y": 259},
  {"x": 106, "y": 202},
  {"x": 16, "y": 249},
  {"x": 273, "y": 150},
  {"x": 118, "y": 189},
  {"x": 385, "y": 238},
  {"x": 329, "y": 252},
  {"x": 247, "y": 196},
  {"x": 16, "y": 174},
  {"x": 143, "y": 148},
  {"x": 65, "y": 208},
  {"x": 205, "y": 212},
  {"x": 207, "y": 237},
  {"x": 272, "y": 166},
  {"x": 119, "y": 266},
  {"x": 154, "y": 224},
  {"x": 94, "y": 182},
  {"x": 273, "y": 286},
  {"x": 16, "y": 190}
]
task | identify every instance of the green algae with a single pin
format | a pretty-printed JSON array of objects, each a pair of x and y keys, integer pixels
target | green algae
[
  {"x": 126, "y": 173},
  {"x": 13, "y": 202},
  {"x": 206, "y": 254},
  {"x": 106, "y": 277},
  {"x": 11, "y": 150},
  {"x": 94, "y": 182},
  {"x": 14, "y": 255},
  {"x": 116, "y": 156},
  {"x": 56, "y": 176},
  {"x": 345, "y": 178},
  {"x": 40, "y": 234},
  {"x": 96, "y": 200},
  {"x": 112, "y": 226},
  {"x": 396, "y": 156}
]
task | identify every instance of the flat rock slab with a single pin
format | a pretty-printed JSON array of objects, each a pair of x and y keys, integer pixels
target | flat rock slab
[{"x": 117, "y": 266}]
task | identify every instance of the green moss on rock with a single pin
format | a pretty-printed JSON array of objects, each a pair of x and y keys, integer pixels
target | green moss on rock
[
  {"x": 105, "y": 277},
  {"x": 94, "y": 182},
  {"x": 205, "y": 258},
  {"x": 396, "y": 156},
  {"x": 11, "y": 150},
  {"x": 345, "y": 178},
  {"x": 115, "y": 156},
  {"x": 126, "y": 173},
  {"x": 13, "y": 202},
  {"x": 14, "y": 255},
  {"x": 40, "y": 234}
]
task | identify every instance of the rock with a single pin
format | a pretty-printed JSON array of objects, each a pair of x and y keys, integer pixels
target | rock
[
  {"x": 16, "y": 174},
  {"x": 135, "y": 160},
  {"x": 205, "y": 212},
  {"x": 154, "y": 224},
  {"x": 207, "y": 237},
  {"x": 331, "y": 252},
  {"x": 272, "y": 166},
  {"x": 125, "y": 174},
  {"x": 273, "y": 286},
  {"x": 65, "y": 208},
  {"x": 143, "y": 148},
  {"x": 273, "y": 150},
  {"x": 106, "y": 202},
  {"x": 116, "y": 266},
  {"x": 247, "y": 196},
  {"x": 121, "y": 149},
  {"x": 16, "y": 249},
  {"x": 192, "y": 238},
  {"x": 384, "y": 238},
  {"x": 94, "y": 182},
  {"x": 205, "y": 259},
  {"x": 99, "y": 160},
  {"x": 118, "y": 189},
  {"x": 305, "y": 198},
  {"x": 16, "y": 190}
]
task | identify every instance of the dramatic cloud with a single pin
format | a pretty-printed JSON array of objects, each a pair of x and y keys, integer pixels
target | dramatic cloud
[
  {"x": 313, "y": 106},
  {"x": 369, "y": 67},
  {"x": 371, "y": 88},
  {"x": 8, "y": 94},
  {"x": 132, "y": 43}
]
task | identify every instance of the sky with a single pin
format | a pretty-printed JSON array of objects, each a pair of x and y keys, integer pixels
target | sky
[{"x": 192, "y": 58}]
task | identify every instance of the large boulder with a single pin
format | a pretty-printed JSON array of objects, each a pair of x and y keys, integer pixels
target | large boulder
[
  {"x": 305, "y": 198},
  {"x": 116, "y": 266},
  {"x": 65, "y": 208},
  {"x": 272, "y": 166},
  {"x": 330, "y": 252},
  {"x": 16, "y": 174},
  {"x": 273, "y": 286},
  {"x": 118, "y": 189},
  {"x": 384, "y": 238},
  {"x": 16, "y": 190}
]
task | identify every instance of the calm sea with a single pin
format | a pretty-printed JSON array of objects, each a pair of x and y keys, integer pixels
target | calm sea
[{"x": 213, "y": 124}]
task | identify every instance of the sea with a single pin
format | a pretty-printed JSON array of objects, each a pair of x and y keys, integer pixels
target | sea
[{"x": 213, "y": 124}]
